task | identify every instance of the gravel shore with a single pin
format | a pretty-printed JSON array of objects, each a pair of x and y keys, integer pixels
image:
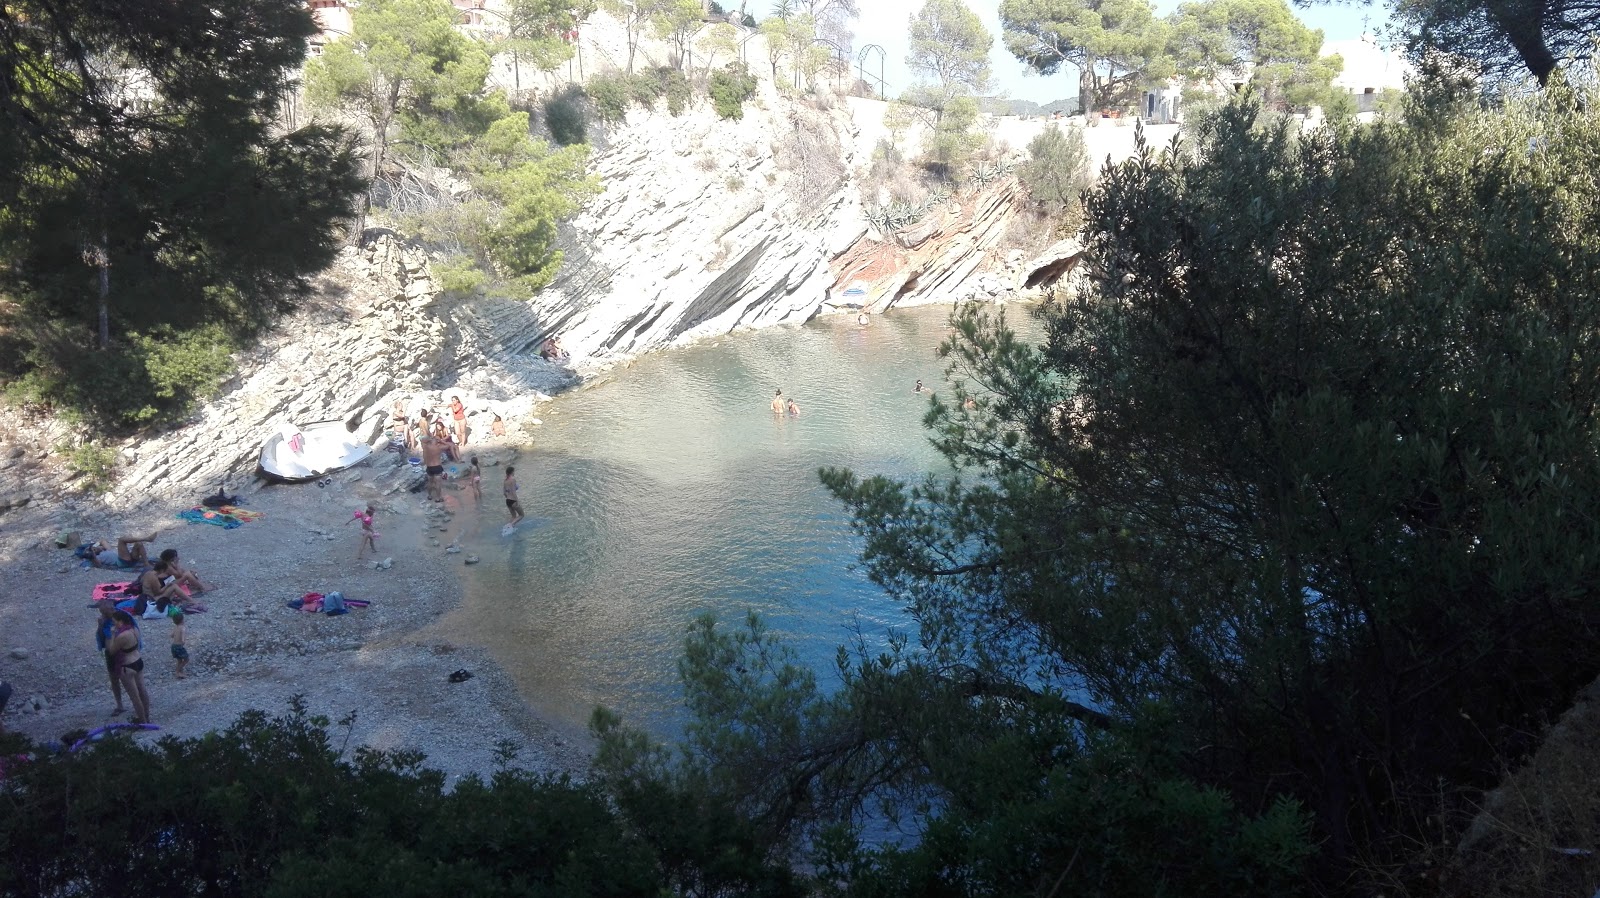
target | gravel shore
[{"x": 249, "y": 651}]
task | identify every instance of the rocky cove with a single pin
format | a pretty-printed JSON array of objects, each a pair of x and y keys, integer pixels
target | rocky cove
[{"x": 696, "y": 234}]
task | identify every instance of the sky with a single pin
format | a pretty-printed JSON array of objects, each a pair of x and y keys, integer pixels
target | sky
[{"x": 884, "y": 22}]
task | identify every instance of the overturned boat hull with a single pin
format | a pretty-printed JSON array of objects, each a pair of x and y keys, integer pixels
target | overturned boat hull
[{"x": 326, "y": 447}]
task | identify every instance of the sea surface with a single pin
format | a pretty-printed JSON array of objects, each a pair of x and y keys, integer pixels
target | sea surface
[{"x": 668, "y": 488}]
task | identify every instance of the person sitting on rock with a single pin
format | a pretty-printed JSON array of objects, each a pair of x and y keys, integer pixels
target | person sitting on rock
[
  {"x": 443, "y": 438},
  {"x": 498, "y": 428},
  {"x": 551, "y": 351}
]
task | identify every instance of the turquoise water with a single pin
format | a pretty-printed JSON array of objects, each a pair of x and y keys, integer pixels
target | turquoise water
[{"x": 668, "y": 488}]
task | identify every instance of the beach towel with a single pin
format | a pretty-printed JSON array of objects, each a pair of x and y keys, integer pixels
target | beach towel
[
  {"x": 117, "y": 591},
  {"x": 228, "y": 517},
  {"x": 314, "y": 602}
]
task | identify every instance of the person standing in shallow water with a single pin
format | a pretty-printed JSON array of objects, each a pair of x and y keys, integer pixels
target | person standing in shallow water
[
  {"x": 917, "y": 388},
  {"x": 513, "y": 504},
  {"x": 777, "y": 403},
  {"x": 794, "y": 408}
]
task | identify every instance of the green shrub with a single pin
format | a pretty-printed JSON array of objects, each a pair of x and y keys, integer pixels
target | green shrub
[
  {"x": 143, "y": 379},
  {"x": 676, "y": 88},
  {"x": 611, "y": 96},
  {"x": 459, "y": 274},
  {"x": 564, "y": 116},
  {"x": 96, "y": 464},
  {"x": 276, "y": 807},
  {"x": 730, "y": 87},
  {"x": 645, "y": 88},
  {"x": 1057, "y": 171}
]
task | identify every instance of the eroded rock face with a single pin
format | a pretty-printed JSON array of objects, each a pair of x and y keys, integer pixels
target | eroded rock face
[
  {"x": 376, "y": 330},
  {"x": 698, "y": 231}
]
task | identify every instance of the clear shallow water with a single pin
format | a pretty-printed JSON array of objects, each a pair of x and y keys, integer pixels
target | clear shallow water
[{"x": 669, "y": 488}]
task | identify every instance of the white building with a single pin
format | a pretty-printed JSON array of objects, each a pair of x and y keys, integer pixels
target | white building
[{"x": 1369, "y": 70}]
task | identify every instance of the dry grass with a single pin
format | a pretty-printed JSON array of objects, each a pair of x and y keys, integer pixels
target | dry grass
[{"x": 1538, "y": 834}]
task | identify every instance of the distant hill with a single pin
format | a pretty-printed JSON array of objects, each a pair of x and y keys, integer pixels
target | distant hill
[{"x": 1002, "y": 106}]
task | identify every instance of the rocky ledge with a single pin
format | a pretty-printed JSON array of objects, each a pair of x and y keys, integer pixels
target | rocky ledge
[{"x": 376, "y": 330}]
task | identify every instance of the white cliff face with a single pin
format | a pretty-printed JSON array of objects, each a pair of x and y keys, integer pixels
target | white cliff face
[
  {"x": 698, "y": 231},
  {"x": 706, "y": 225}
]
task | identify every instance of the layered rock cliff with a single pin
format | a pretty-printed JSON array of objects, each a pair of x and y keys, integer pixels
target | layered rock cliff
[
  {"x": 375, "y": 330},
  {"x": 706, "y": 225}
]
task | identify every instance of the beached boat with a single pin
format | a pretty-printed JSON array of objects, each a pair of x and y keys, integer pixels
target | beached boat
[{"x": 303, "y": 454}]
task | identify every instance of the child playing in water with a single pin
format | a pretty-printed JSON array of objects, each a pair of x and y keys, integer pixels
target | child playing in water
[
  {"x": 477, "y": 480},
  {"x": 180, "y": 652},
  {"x": 369, "y": 536}
]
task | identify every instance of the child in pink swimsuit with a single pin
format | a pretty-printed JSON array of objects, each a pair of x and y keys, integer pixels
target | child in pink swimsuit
[{"x": 369, "y": 536}]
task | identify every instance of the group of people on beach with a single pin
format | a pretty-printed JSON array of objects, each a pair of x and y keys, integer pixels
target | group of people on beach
[{"x": 163, "y": 589}]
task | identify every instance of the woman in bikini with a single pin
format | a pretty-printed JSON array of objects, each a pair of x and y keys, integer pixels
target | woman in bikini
[
  {"x": 477, "y": 480},
  {"x": 123, "y": 649}
]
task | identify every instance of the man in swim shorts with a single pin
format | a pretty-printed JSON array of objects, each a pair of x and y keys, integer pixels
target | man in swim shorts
[
  {"x": 513, "y": 505},
  {"x": 130, "y": 552},
  {"x": 432, "y": 452}
]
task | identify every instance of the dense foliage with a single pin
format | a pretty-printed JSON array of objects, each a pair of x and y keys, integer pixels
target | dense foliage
[
  {"x": 949, "y": 50},
  {"x": 420, "y": 85},
  {"x": 615, "y": 93},
  {"x": 1285, "y": 525},
  {"x": 1057, "y": 171},
  {"x": 730, "y": 87},
  {"x": 151, "y": 215},
  {"x": 274, "y": 808},
  {"x": 1500, "y": 39}
]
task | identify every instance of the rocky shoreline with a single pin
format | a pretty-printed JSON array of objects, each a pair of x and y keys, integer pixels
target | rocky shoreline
[
  {"x": 377, "y": 329},
  {"x": 252, "y": 652}
]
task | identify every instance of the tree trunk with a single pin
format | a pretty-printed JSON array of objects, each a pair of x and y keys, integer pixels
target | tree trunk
[
  {"x": 1086, "y": 90},
  {"x": 103, "y": 258},
  {"x": 1522, "y": 23},
  {"x": 516, "y": 71}
]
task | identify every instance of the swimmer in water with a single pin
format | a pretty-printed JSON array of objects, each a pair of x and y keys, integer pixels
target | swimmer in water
[
  {"x": 863, "y": 320},
  {"x": 917, "y": 388},
  {"x": 777, "y": 403},
  {"x": 794, "y": 409}
]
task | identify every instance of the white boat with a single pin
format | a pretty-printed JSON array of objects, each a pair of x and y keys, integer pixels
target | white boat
[{"x": 305, "y": 453}]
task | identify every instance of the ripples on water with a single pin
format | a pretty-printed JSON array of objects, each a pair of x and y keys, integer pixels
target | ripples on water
[{"x": 669, "y": 488}]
